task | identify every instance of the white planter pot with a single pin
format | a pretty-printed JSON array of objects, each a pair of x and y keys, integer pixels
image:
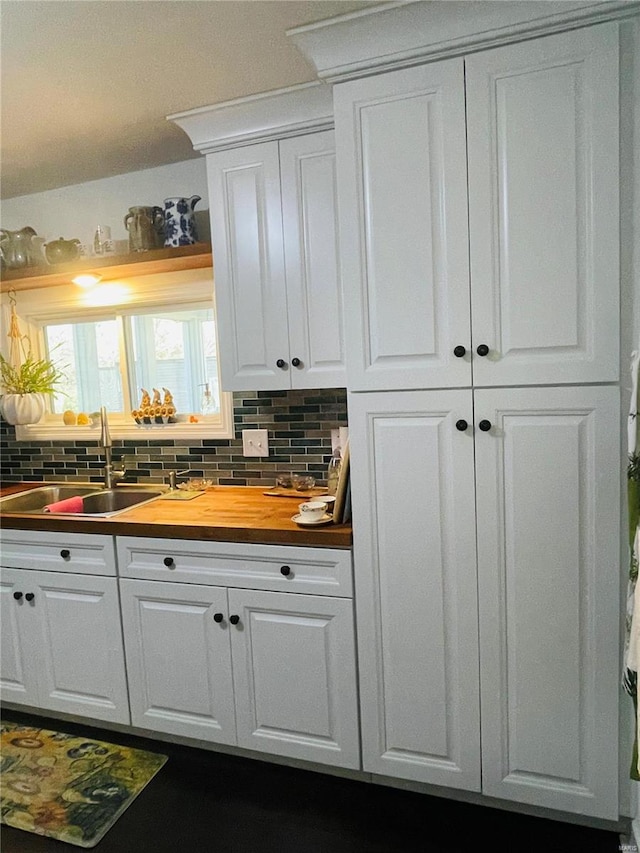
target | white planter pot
[{"x": 19, "y": 409}]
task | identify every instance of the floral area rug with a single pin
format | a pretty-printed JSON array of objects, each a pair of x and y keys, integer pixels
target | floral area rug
[{"x": 67, "y": 787}]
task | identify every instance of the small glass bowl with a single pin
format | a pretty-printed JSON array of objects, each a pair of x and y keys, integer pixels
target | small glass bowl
[
  {"x": 195, "y": 484},
  {"x": 302, "y": 482},
  {"x": 284, "y": 481}
]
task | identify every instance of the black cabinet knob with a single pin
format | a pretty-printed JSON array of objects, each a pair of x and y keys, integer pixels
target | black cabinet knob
[
  {"x": 485, "y": 426},
  {"x": 65, "y": 553},
  {"x": 218, "y": 617},
  {"x": 234, "y": 619},
  {"x": 461, "y": 425},
  {"x": 459, "y": 351},
  {"x": 296, "y": 362},
  {"x": 17, "y": 596},
  {"x": 168, "y": 561},
  {"x": 482, "y": 349},
  {"x": 281, "y": 363},
  {"x": 285, "y": 570},
  {"x": 29, "y": 596}
]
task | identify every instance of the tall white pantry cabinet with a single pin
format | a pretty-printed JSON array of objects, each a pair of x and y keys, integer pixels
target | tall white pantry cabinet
[{"x": 478, "y": 203}]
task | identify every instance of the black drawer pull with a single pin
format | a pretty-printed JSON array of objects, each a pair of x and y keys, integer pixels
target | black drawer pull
[
  {"x": 17, "y": 596},
  {"x": 482, "y": 349},
  {"x": 168, "y": 561},
  {"x": 281, "y": 363},
  {"x": 296, "y": 362},
  {"x": 285, "y": 570},
  {"x": 65, "y": 553},
  {"x": 459, "y": 351},
  {"x": 234, "y": 619},
  {"x": 461, "y": 425},
  {"x": 485, "y": 426},
  {"x": 29, "y": 596},
  {"x": 218, "y": 617}
]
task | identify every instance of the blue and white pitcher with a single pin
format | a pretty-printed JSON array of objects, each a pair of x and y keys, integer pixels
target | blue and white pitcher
[{"x": 179, "y": 221}]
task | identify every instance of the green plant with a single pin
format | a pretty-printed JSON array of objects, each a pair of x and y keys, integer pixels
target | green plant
[{"x": 34, "y": 376}]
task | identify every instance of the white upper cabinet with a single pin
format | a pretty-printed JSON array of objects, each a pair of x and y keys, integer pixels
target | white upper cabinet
[
  {"x": 403, "y": 227},
  {"x": 519, "y": 263},
  {"x": 278, "y": 294},
  {"x": 272, "y": 187},
  {"x": 543, "y": 209},
  {"x": 312, "y": 264},
  {"x": 251, "y": 300}
]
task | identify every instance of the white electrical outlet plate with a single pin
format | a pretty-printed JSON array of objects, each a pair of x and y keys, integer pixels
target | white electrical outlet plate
[{"x": 255, "y": 442}]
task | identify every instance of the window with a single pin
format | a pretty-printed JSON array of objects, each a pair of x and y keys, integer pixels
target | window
[
  {"x": 111, "y": 355},
  {"x": 173, "y": 349}
]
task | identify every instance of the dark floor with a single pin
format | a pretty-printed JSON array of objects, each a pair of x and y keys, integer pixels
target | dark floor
[{"x": 206, "y": 802}]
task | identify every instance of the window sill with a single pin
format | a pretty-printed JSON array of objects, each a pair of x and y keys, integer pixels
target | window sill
[{"x": 213, "y": 427}]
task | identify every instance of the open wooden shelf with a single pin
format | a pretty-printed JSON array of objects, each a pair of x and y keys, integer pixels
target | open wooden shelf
[{"x": 196, "y": 256}]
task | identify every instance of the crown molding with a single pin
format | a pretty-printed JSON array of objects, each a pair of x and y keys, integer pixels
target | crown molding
[
  {"x": 402, "y": 34},
  {"x": 259, "y": 118}
]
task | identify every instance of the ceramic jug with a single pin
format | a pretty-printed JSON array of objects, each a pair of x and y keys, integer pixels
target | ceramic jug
[
  {"x": 146, "y": 228},
  {"x": 17, "y": 249},
  {"x": 179, "y": 222}
]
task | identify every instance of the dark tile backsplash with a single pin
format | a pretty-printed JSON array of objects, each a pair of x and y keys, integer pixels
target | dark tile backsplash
[{"x": 299, "y": 425}]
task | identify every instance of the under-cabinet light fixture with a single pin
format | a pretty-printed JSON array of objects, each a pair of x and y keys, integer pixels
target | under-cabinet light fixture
[{"x": 87, "y": 279}]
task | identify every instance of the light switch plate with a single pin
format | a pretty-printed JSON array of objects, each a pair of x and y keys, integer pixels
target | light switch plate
[{"x": 255, "y": 442}]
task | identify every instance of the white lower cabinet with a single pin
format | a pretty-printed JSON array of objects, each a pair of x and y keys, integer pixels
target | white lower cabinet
[
  {"x": 494, "y": 671},
  {"x": 266, "y": 670},
  {"x": 179, "y": 659},
  {"x": 294, "y": 676},
  {"x": 62, "y": 644}
]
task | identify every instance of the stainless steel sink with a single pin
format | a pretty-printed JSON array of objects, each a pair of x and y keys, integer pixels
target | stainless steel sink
[
  {"x": 35, "y": 499},
  {"x": 111, "y": 501},
  {"x": 97, "y": 501}
]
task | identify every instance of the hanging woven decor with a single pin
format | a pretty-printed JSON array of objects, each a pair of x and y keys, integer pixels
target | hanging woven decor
[{"x": 25, "y": 380}]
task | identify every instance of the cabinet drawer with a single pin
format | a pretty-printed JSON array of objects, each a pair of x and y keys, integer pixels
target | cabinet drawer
[
  {"x": 82, "y": 553},
  {"x": 321, "y": 571}
]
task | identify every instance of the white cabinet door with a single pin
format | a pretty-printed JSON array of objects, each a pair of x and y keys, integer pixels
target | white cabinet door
[
  {"x": 79, "y": 640},
  {"x": 543, "y": 209},
  {"x": 415, "y": 579},
  {"x": 277, "y": 281},
  {"x": 548, "y": 498},
  {"x": 179, "y": 659},
  {"x": 18, "y": 675},
  {"x": 402, "y": 184},
  {"x": 295, "y": 675},
  {"x": 251, "y": 302},
  {"x": 62, "y": 644},
  {"x": 314, "y": 291}
]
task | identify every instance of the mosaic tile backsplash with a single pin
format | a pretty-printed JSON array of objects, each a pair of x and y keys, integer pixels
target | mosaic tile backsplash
[{"x": 299, "y": 425}]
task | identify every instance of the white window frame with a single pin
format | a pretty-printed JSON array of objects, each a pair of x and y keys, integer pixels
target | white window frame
[{"x": 36, "y": 308}]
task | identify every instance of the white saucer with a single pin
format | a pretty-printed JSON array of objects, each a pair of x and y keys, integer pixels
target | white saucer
[{"x": 326, "y": 519}]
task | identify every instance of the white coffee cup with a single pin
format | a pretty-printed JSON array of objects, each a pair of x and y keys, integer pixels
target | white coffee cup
[{"x": 312, "y": 510}]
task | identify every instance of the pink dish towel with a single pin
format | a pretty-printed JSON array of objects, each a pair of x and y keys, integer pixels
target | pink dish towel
[{"x": 75, "y": 504}]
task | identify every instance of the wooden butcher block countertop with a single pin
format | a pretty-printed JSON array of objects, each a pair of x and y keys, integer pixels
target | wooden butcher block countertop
[{"x": 222, "y": 513}]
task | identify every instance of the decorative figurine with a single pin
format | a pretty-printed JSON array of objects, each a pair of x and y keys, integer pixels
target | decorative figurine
[{"x": 155, "y": 411}]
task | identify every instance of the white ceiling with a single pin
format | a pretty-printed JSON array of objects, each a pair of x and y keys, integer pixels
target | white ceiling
[{"x": 87, "y": 84}]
